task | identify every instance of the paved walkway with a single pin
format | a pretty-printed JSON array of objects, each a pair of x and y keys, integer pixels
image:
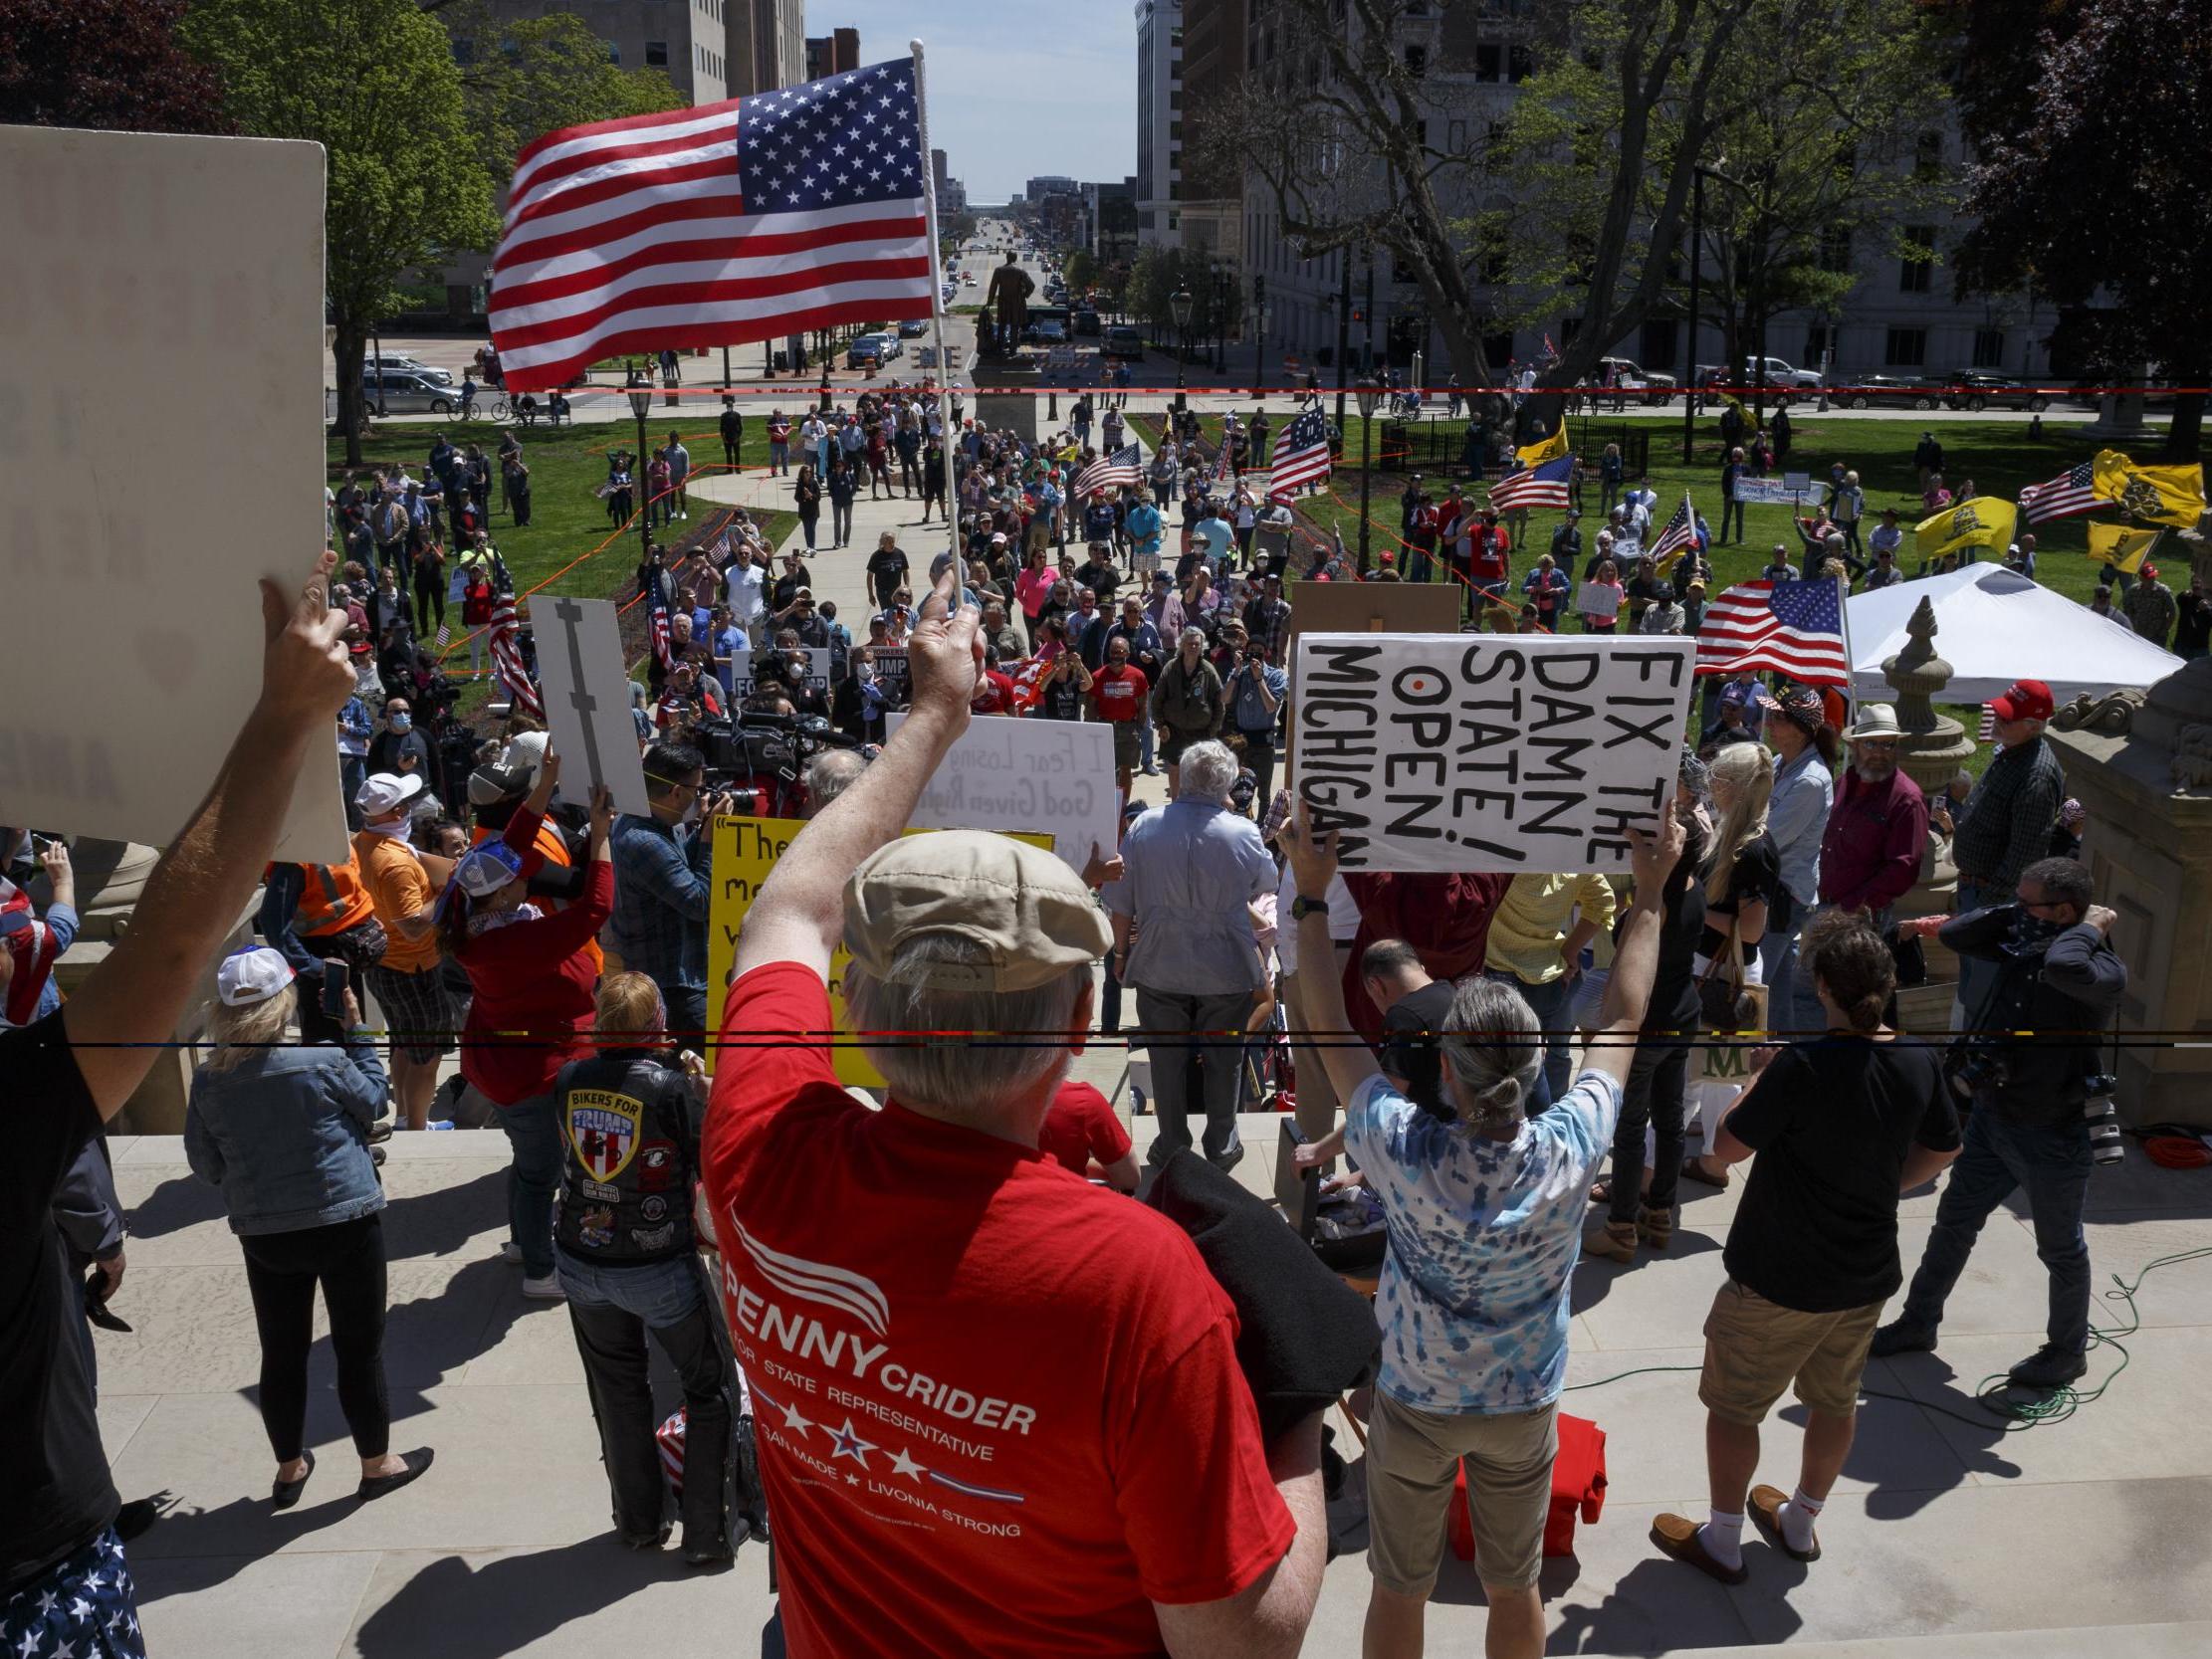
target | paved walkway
[{"x": 1941, "y": 1530}]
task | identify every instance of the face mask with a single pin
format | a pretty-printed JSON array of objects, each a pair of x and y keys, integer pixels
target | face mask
[{"x": 403, "y": 722}]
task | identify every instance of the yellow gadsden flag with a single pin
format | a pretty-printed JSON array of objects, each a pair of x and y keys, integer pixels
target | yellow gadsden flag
[
  {"x": 2121, "y": 546},
  {"x": 1983, "y": 522},
  {"x": 1545, "y": 449},
  {"x": 2169, "y": 495}
]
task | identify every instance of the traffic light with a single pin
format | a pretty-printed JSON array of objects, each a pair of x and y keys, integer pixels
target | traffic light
[{"x": 1259, "y": 287}]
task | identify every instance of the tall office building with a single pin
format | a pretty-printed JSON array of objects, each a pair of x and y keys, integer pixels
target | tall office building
[
  {"x": 766, "y": 43},
  {"x": 686, "y": 39},
  {"x": 832, "y": 53},
  {"x": 1211, "y": 213},
  {"x": 1159, "y": 122}
]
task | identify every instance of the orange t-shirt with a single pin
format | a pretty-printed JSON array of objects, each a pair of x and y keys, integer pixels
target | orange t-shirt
[{"x": 398, "y": 886}]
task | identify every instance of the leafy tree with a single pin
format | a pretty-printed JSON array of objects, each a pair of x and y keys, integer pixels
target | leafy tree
[
  {"x": 522, "y": 78},
  {"x": 109, "y": 64},
  {"x": 374, "y": 83},
  {"x": 2089, "y": 189},
  {"x": 1359, "y": 147},
  {"x": 1081, "y": 271}
]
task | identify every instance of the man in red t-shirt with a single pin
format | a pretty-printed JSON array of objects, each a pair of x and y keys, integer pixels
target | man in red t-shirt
[
  {"x": 1122, "y": 694},
  {"x": 1487, "y": 566},
  {"x": 1081, "y": 1130},
  {"x": 993, "y": 693},
  {"x": 998, "y": 1410}
]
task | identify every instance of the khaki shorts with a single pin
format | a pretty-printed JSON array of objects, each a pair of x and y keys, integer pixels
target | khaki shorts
[
  {"x": 1754, "y": 1348},
  {"x": 1412, "y": 1459}
]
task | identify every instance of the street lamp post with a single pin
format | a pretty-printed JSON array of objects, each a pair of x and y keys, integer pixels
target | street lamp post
[
  {"x": 1220, "y": 320},
  {"x": 641, "y": 404},
  {"x": 1259, "y": 328},
  {"x": 1367, "y": 427},
  {"x": 1696, "y": 261},
  {"x": 1179, "y": 307}
]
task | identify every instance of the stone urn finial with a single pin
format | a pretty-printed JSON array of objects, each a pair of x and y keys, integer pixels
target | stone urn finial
[{"x": 1934, "y": 746}]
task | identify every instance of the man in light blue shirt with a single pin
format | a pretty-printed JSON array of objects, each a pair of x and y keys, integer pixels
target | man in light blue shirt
[
  {"x": 1484, "y": 1207},
  {"x": 1183, "y": 942},
  {"x": 1214, "y": 530}
]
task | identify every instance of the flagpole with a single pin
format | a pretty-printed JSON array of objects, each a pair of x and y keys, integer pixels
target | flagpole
[{"x": 936, "y": 324}]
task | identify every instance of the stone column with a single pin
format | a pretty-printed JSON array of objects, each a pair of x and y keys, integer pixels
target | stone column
[
  {"x": 2147, "y": 786},
  {"x": 1934, "y": 747}
]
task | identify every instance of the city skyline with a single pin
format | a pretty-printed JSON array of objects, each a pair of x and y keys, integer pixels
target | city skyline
[{"x": 1064, "y": 103}]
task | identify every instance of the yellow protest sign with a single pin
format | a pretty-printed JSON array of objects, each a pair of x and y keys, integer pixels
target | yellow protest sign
[{"x": 745, "y": 851}]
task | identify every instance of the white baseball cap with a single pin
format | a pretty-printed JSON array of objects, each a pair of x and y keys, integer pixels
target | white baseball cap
[
  {"x": 382, "y": 792},
  {"x": 254, "y": 975}
]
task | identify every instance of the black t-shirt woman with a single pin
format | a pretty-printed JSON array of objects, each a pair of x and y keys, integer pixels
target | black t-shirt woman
[{"x": 1745, "y": 874}]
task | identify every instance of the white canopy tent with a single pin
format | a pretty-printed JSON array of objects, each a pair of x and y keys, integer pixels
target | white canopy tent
[{"x": 1995, "y": 626}]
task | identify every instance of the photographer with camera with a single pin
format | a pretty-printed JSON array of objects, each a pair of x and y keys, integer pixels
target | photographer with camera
[
  {"x": 661, "y": 888},
  {"x": 2042, "y": 1107}
]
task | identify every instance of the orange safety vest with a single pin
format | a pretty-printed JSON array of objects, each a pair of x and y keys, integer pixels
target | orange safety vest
[{"x": 332, "y": 899}]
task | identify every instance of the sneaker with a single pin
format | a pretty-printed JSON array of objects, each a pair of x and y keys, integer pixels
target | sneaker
[
  {"x": 2049, "y": 1367},
  {"x": 439, "y": 1122},
  {"x": 511, "y": 1252},
  {"x": 547, "y": 1289},
  {"x": 1903, "y": 1336}
]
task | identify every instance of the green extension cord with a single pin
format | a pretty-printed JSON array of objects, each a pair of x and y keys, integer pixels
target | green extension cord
[{"x": 2055, "y": 1406}]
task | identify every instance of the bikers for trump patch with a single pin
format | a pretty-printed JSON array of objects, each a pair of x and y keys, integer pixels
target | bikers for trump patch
[{"x": 602, "y": 1128}]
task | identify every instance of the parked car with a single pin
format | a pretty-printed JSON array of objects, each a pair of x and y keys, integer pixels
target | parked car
[
  {"x": 1046, "y": 330},
  {"x": 882, "y": 347},
  {"x": 1628, "y": 376},
  {"x": 394, "y": 364},
  {"x": 1122, "y": 339},
  {"x": 1975, "y": 390},
  {"x": 1085, "y": 322},
  {"x": 405, "y": 393},
  {"x": 1890, "y": 391},
  {"x": 1780, "y": 373}
]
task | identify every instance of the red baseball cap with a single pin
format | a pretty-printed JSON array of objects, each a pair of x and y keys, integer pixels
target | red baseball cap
[{"x": 2029, "y": 700}]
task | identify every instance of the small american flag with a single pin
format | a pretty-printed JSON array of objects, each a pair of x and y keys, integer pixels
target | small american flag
[
  {"x": 1677, "y": 538},
  {"x": 1301, "y": 453},
  {"x": 1544, "y": 486},
  {"x": 659, "y": 624},
  {"x": 506, "y": 658},
  {"x": 719, "y": 552},
  {"x": 746, "y": 220},
  {"x": 1987, "y": 731},
  {"x": 1796, "y": 627},
  {"x": 445, "y": 635},
  {"x": 2068, "y": 495},
  {"x": 1108, "y": 471}
]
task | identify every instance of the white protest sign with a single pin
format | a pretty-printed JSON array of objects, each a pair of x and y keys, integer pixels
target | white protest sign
[
  {"x": 1488, "y": 752},
  {"x": 1052, "y": 777},
  {"x": 196, "y": 285},
  {"x": 1771, "y": 491},
  {"x": 588, "y": 699}
]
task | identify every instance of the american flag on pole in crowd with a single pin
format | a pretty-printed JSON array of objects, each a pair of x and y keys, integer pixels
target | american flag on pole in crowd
[
  {"x": 746, "y": 220},
  {"x": 1796, "y": 628},
  {"x": 1544, "y": 486},
  {"x": 1301, "y": 453},
  {"x": 444, "y": 635},
  {"x": 719, "y": 553},
  {"x": 1678, "y": 536},
  {"x": 2068, "y": 495},
  {"x": 506, "y": 658},
  {"x": 659, "y": 625},
  {"x": 1987, "y": 731},
  {"x": 1108, "y": 471}
]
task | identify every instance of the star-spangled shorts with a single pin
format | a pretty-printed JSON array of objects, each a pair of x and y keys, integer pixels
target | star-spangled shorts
[{"x": 85, "y": 1608}]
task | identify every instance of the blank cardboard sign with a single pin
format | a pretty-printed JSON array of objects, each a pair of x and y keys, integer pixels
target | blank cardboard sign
[{"x": 162, "y": 416}]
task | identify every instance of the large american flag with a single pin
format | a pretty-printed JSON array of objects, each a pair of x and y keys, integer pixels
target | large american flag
[
  {"x": 746, "y": 220},
  {"x": 1679, "y": 536},
  {"x": 1301, "y": 453},
  {"x": 1108, "y": 471},
  {"x": 1544, "y": 486},
  {"x": 506, "y": 658},
  {"x": 1795, "y": 627},
  {"x": 2068, "y": 495}
]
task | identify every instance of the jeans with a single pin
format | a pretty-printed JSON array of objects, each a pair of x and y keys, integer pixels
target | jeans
[
  {"x": 1260, "y": 759},
  {"x": 780, "y": 459},
  {"x": 806, "y": 524},
  {"x": 1553, "y": 1006},
  {"x": 282, "y": 1273},
  {"x": 353, "y": 773},
  {"x": 534, "y": 1131},
  {"x": 1145, "y": 759},
  {"x": 2053, "y": 1162},
  {"x": 840, "y": 522},
  {"x": 612, "y": 1308},
  {"x": 1109, "y": 1002},
  {"x": 1169, "y": 1019},
  {"x": 1658, "y": 1075},
  {"x": 687, "y": 1013},
  {"x": 1731, "y": 512}
]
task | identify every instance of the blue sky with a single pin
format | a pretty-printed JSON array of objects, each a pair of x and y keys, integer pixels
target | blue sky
[{"x": 1016, "y": 89}]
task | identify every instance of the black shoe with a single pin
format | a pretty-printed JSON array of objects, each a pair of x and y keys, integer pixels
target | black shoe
[
  {"x": 2049, "y": 1367},
  {"x": 283, "y": 1493},
  {"x": 710, "y": 1553},
  {"x": 1902, "y": 1337},
  {"x": 133, "y": 1520},
  {"x": 383, "y": 1486},
  {"x": 646, "y": 1540}
]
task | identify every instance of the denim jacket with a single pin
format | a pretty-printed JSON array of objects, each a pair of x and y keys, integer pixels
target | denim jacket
[{"x": 285, "y": 1135}]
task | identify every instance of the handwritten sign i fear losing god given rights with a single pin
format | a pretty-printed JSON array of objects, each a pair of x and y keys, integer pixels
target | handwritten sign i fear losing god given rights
[{"x": 1488, "y": 752}]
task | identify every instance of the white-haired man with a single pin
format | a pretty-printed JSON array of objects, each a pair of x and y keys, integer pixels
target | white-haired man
[
  {"x": 1183, "y": 942},
  {"x": 1000, "y": 1409}
]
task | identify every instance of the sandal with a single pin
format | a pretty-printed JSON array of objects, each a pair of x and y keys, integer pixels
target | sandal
[
  {"x": 1601, "y": 1190},
  {"x": 1694, "y": 1170}
]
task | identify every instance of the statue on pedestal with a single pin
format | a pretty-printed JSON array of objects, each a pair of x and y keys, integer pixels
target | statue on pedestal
[{"x": 1007, "y": 300}]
